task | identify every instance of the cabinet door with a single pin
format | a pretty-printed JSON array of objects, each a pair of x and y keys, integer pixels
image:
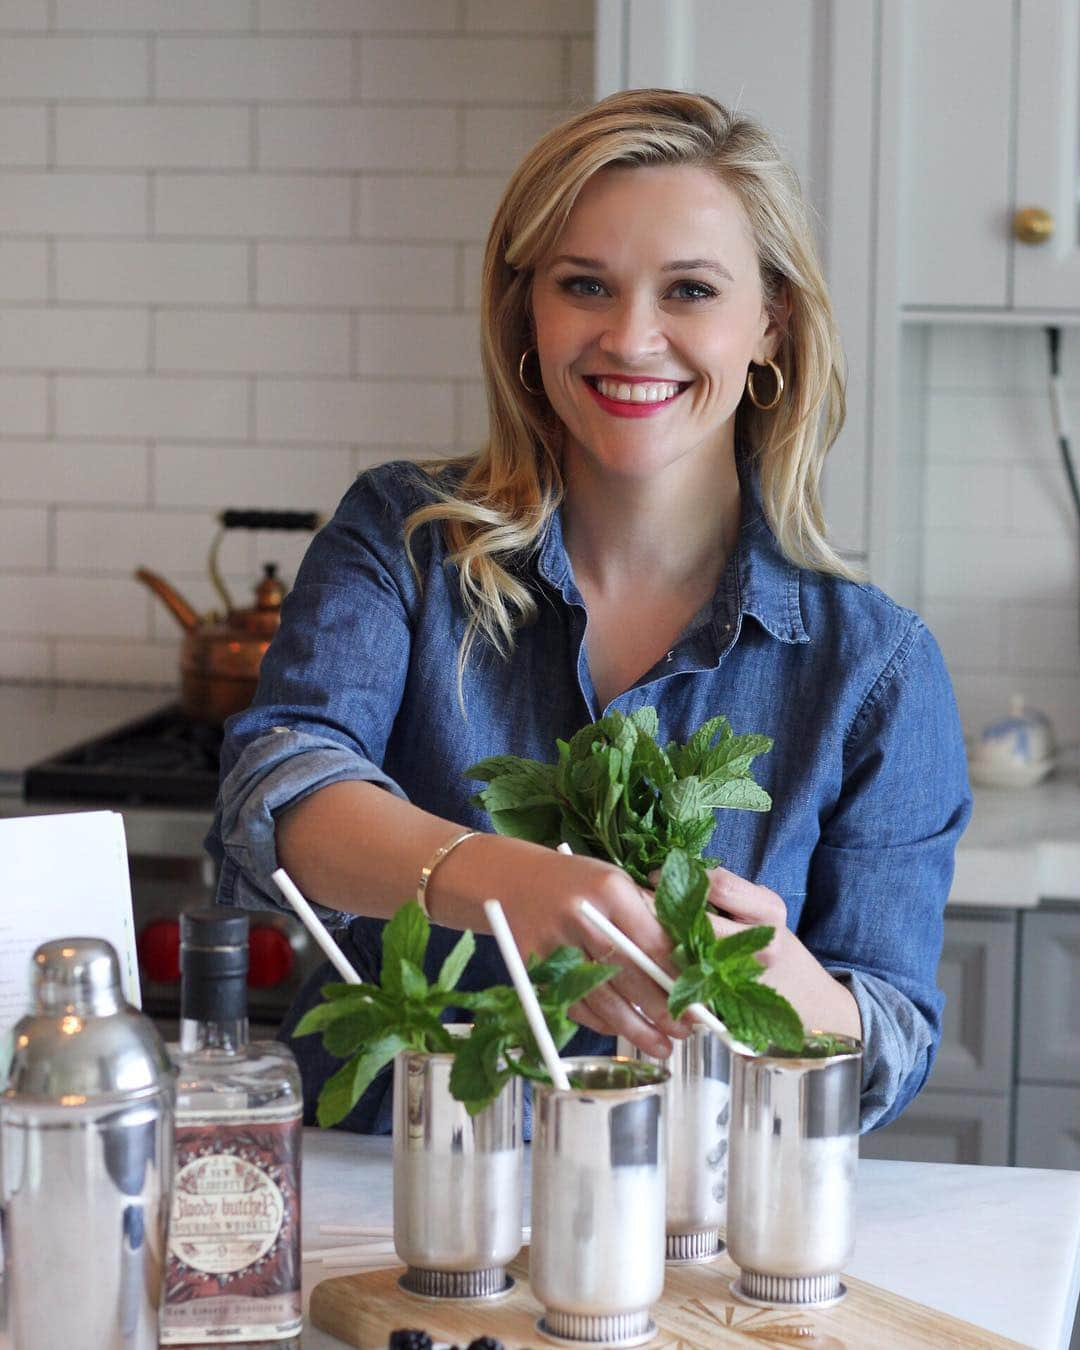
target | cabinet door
[
  {"x": 955, "y": 156},
  {"x": 1047, "y": 275},
  {"x": 1050, "y": 997},
  {"x": 977, "y": 973},
  {"x": 945, "y": 1127},
  {"x": 1048, "y": 1127}
]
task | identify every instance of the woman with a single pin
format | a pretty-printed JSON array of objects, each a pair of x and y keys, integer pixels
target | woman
[{"x": 643, "y": 526}]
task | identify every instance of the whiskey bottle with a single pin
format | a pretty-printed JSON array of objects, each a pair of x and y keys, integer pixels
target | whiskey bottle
[{"x": 233, "y": 1269}]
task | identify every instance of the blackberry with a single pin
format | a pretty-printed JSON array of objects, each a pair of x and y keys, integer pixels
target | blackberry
[
  {"x": 485, "y": 1343},
  {"x": 409, "y": 1339}
]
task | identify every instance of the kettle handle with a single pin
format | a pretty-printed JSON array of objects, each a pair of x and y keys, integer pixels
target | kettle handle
[{"x": 233, "y": 519}]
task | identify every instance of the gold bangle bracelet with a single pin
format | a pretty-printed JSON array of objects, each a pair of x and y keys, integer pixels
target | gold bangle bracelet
[{"x": 433, "y": 862}]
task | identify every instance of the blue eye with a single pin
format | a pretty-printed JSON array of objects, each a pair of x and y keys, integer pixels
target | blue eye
[
  {"x": 692, "y": 290},
  {"x": 586, "y": 286}
]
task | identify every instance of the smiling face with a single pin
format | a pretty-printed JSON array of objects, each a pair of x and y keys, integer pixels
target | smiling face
[{"x": 647, "y": 312}]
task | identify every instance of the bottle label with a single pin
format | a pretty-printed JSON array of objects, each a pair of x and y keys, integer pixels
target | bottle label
[{"x": 234, "y": 1248}]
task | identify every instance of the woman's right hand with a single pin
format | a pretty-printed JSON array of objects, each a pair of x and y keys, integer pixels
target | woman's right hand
[{"x": 541, "y": 891}]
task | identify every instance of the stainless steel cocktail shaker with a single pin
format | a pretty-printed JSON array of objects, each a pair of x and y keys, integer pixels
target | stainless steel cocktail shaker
[
  {"x": 86, "y": 1126},
  {"x": 458, "y": 1182},
  {"x": 792, "y": 1161},
  {"x": 596, "y": 1262}
]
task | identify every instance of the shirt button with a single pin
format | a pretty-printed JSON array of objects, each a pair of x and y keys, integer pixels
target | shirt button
[{"x": 727, "y": 628}]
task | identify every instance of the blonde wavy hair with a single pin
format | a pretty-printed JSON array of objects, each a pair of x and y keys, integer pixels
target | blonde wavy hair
[{"x": 494, "y": 515}]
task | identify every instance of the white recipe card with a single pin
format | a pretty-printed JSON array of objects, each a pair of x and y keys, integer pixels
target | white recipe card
[{"x": 60, "y": 876}]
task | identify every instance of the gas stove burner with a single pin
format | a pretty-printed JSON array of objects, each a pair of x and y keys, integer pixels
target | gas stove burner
[{"x": 165, "y": 759}]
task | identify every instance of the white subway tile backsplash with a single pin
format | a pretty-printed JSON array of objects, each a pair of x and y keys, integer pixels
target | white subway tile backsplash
[
  {"x": 1042, "y": 638},
  {"x": 992, "y": 358},
  {"x": 421, "y": 345},
  {"x": 392, "y": 276},
  {"x": 24, "y": 269},
  {"x": 24, "y": 405},
  {"x": 153, "y": 664},
  {"x": 155, "y": 16},
  {"x": 526, "y": 16},
  {"x": 72, "y": 203},
  {"x": 66, "y": 339},
  {"x": 175, "y": 543},
  {"x": 26, "y": 659},
  {"x": 154, "y": 406},
  {"x": 357, "y": 16},
  {"x": 84, "y": 471},
  {"x": 149, "y": 272},
  {"x": 253, "y": 205},
  {"x": 24, "y": 537},
  {"x": 990, "y": 426},
  {"x": 222, "y": 341},
  {"x": 498, "y": 138},
  {"x": 259, "y": 227},
  {"x": 581, "y": 76},
  {"x": 24, "y": 15},
  {"x": 61, "y": 67},
  {"x": 152, "y": 136},
  {"x": 24, "y": 136},
  {"x": 245, "y": 69},
  {"x": 433, "y": 207},
  {"x": 968, "y": 633},
  {"x": 397, "y": 138},
  {"x": 46, "y": 604},
  {"x": 984, "y": 698},
  {"x": 266, "y": 477},
  {"x": 984, "y": 565},
  {"x": 461, "y": 69},
  {"x": 347, "y": 412},
  {"x": 966, "y": 496},
  {"x": 1039, "y": 499},
  {"x": 285, "y": 549}
]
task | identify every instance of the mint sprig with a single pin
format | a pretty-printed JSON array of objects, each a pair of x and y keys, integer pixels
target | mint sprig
[
  {"x": 615, "y": 793},
  {"x": 368, "y": 1024}
]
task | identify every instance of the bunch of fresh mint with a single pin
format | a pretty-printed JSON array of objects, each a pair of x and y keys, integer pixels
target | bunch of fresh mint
[
  {"x": 367, "y": 1024},
  {"x": 615, "y": 793}
]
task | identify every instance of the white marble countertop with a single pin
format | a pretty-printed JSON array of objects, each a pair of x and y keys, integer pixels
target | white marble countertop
[
  {"x": 1022, "y": 845},
  {"x": 997, "y": 1246}
]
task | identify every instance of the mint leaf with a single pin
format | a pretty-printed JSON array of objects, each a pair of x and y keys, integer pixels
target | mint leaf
[
  {"x": 405, "y": 938},
  {"x": 453, "y": 967},
  {"x": 414, "y": 983},
  {"x": 344, "y": 1089}
]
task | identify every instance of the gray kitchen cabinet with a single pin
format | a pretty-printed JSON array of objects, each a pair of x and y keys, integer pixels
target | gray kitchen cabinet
[
  {"x": 1050, "y": 997},
  {"x": 1048, "y": 1127},
  {"x": 945, "y": 1127},
  {"x": 963, "y": 1113}
]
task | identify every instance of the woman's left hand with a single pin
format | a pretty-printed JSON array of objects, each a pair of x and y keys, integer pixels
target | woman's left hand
[{"x": 822, "y": 1002}]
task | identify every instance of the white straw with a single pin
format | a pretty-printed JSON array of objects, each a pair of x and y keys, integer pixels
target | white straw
[
  {"x": 644, "y": 962},
  {"x": 312, "y": 923},
  {"x": 526, "y": 993}
]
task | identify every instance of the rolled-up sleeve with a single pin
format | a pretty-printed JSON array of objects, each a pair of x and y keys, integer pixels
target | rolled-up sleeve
[
  {"x": 881, "y": 873},
  {"x": 330, "y": 687}
]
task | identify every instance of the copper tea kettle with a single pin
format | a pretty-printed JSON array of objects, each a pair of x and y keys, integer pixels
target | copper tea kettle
[{"x": 220, "y": 657}]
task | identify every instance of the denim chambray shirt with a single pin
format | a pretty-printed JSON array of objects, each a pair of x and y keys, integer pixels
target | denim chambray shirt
[{"x": 867, "y": 772}]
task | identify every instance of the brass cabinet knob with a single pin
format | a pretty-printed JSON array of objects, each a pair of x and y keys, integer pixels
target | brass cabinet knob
[{"x": 1033, "y": 225}]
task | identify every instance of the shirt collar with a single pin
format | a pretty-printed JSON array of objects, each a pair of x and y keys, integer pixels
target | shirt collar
[{"x": 765, "y": 583}]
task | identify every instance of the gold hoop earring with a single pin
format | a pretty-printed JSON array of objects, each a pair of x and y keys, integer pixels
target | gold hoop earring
[
  {"x": 777, "y": 376},
  {"x": 521, "y": 372}
]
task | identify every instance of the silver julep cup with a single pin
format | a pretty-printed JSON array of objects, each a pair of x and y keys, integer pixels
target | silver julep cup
[
  {"x": 596, "y": 1261},
  {"x": 792, "y": 1162},
  {"x": 458, "y": 1182},
  {"x": 86, "y": 1131},
  {"x": 697, "y": 1112}
]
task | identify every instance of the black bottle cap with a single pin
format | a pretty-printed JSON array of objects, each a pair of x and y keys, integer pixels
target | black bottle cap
[{"x": 213, "y": 964}]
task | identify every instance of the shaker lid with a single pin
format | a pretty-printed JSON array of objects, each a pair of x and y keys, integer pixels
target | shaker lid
[{"x": 82, "y": 1042}]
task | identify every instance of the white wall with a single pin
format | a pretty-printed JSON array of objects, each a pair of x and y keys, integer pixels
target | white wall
[
  {"x": 239, "y": 259},
  {"x": 1001, "y": 555}
]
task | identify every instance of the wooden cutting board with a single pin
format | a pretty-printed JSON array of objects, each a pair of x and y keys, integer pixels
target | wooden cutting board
[{"x": 697, "y": 1311}]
